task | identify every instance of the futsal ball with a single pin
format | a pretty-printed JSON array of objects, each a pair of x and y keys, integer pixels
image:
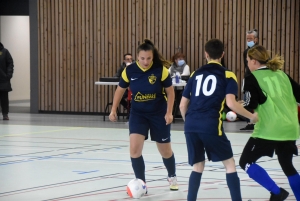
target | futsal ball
[
  {"x": 136, "y": 188},
  {"x": 231, "y": 116}
]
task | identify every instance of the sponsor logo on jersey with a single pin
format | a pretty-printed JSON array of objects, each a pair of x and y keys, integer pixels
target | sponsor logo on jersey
[{"x": 139, "y": 97}]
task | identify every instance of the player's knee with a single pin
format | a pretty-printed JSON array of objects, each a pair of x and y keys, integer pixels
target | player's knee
[
  {"x": 287, "y": 166},
  {"x": 243, "y": 163},
  {"x": 135, "y": 152},
  {"x": 229, "y": 165},
  {"x": 199, "y": 167}
]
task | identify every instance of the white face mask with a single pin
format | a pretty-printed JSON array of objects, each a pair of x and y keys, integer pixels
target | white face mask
[
  {"x": 180, "y": 62},
  {"x": 250, "y": 43}
]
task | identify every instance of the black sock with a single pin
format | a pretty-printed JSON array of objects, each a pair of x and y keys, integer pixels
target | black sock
[
  {"x": 233, "y": 183},
  {"x": 194, "y": 184},
  {"x": 170, "y": 165},
  {"x": 138, "y": 166}
]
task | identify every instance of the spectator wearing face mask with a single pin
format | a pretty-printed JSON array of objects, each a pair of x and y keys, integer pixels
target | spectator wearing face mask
[
  {"x": 179, "y": 65},
  {"x": 252, "y": 40}
]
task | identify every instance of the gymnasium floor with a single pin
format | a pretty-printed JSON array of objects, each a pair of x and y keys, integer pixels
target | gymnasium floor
[{"x": 79, "y": 157}]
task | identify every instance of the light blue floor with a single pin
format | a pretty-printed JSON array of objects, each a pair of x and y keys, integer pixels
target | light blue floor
[{"x": 88, "y": 159}]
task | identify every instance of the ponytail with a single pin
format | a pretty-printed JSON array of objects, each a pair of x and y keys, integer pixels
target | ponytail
[
  {"x": 157, "y": 57},
  {"x": 276, "y": 63}
]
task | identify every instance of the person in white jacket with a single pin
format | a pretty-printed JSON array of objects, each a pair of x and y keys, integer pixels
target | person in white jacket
[{"x": 179, "y": 65}]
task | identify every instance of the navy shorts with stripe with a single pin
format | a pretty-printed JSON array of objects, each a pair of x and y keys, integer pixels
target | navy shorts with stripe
[
  {"x": 217, "y": 148},
  {"x": 156, "y": 123}
]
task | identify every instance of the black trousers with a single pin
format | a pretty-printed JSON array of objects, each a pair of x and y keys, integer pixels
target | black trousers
[{"x": 4, "y": 102}]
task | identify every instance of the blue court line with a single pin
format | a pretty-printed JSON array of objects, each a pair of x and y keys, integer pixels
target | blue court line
[
  {"x": 83, "y": 172},
  {"x": 43, "y": 157},
  {"x": 116, "y": 146},
  {"x": 10, "y": 141},
  {"x": 42, "y": 132},
  {"x": 66, "y": 182}
]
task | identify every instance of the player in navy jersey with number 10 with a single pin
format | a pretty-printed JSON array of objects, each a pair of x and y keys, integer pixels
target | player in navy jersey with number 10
[
  {"x": 151, "y": 108},
  {"x": 201, "y": 107}
]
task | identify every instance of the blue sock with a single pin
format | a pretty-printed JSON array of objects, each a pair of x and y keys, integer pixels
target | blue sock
[
  {"x": 258, "y": 174},
  {"x": 170, "y": 165},
  {"x": 233, "y": 183},
  {"x": 295, "y": 185},
  {"x": 138, "y": 166},
  {"x": 194, "y": 184}
]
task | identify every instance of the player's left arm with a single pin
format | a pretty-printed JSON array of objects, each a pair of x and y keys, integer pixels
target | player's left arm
[{"x": 296, "y": 89}]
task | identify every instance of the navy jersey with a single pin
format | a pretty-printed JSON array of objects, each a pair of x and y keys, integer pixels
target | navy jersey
[
  {"x": 147, "y": 87},
  {"x": 207, "y": 89}
]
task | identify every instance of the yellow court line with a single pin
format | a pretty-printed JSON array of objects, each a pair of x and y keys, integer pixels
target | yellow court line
[{"x": 40, "y": 132}]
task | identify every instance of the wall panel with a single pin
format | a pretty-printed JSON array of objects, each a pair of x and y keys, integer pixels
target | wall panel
[{"x": 82, "y": 40}]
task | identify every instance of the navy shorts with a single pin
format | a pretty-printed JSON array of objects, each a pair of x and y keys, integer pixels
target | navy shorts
[
  {"x": 217, "y": 148},
  {"x": 156, "y": 123}
]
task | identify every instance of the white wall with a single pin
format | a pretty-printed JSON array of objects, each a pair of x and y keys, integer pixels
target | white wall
[{"x": 15, "y": 37}]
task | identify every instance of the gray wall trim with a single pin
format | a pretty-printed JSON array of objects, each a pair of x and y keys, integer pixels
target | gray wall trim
[{"x": 34, "y": 79}]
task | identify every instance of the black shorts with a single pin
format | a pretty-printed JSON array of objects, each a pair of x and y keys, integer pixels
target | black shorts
[{"x": 257, "y": 148}]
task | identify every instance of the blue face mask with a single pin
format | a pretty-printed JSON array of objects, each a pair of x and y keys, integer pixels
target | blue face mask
[
  {"x": 180, "y": 62},
  {"x": 250, "y": 43}
]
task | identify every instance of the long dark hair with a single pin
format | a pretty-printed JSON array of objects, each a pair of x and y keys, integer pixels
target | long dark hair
[{"x": 157, "y": 57}]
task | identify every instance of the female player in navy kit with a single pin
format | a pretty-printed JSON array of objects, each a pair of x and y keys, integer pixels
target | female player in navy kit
[
  {"x": 201, "y": 107},
  {"x": 151, "y": 108}
]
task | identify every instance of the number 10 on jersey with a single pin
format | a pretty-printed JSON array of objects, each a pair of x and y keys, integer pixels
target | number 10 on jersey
[{"x": 204, "y": 86}]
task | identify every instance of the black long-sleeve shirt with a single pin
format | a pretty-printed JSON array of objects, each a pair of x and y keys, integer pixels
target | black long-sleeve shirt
[{"x": 255, "y": 96}]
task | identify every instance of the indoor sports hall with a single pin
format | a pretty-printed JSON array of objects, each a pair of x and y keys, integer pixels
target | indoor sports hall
[
  {"x": 57, "y": 143},
  {"x": 80, "y": 157}
]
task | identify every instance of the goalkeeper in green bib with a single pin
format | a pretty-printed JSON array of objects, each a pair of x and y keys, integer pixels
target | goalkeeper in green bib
[{"x": 274, "y": 96}]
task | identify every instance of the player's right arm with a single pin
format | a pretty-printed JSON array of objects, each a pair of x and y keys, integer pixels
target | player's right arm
[
  {"x": 123, "y": 84},
  {"x": 184, "y": 106},
  {"x": 185, "y": 99},
  {"x": 231, "y": 91}
]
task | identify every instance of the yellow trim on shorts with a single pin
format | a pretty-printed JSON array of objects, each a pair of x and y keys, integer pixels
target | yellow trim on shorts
[{"x": 220, "y": 118}]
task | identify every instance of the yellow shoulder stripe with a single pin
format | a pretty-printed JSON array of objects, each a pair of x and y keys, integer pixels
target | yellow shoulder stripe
[
  {"x": 165, "y": 73},
  {"x": 124, "y": 76},
  {"x": 230, "y": 74}
]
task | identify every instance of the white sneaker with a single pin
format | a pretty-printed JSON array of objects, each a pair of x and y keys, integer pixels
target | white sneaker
[{"x": 173, "y": 183}]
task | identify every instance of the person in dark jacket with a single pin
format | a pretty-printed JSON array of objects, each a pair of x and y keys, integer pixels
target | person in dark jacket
[
  {"x": 252, "y": 40},
  {"x": 6, "y": 73},
  {"x": 127, "y": 61}
]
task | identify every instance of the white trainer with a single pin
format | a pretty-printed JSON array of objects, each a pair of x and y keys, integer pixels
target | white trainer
[{"x": 173, "y": 183}]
